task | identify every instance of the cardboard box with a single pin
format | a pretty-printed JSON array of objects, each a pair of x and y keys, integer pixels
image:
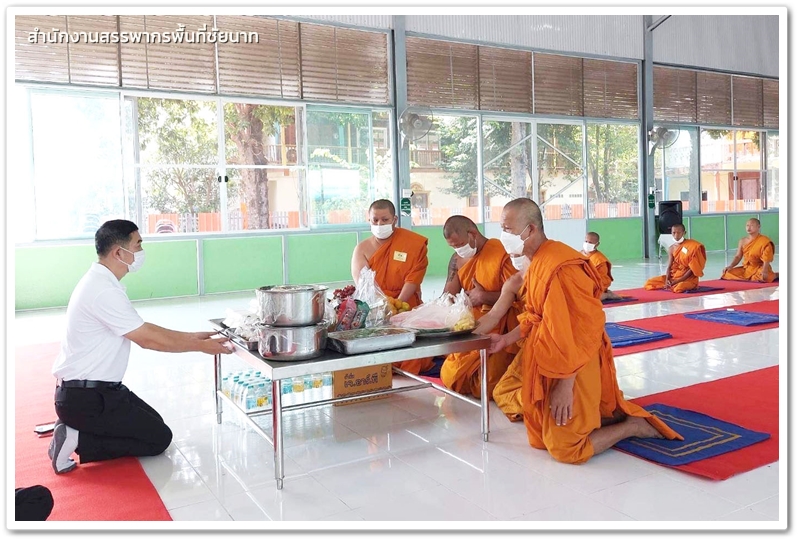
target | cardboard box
[{"x": 361, "y": 380}]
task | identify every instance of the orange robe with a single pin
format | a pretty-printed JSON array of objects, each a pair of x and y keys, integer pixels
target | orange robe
[
  {"x": 403, "y": 258},
  {"x": 603, "y": 268},
  {"x": 757, "y": 252},
  {"x": 563, "y": 327},
  {"x": 461, "y": 372},
  {"x": 688, "y": 255}
]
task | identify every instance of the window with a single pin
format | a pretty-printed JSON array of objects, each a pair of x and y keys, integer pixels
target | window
[
  {"x": 677, "y": 176},
  {"x": 560, "y": 170},
  {"x": 773, "y": 170},
  {"x": 613, "y": 170},
  {"x": 350, "y": 164},
  {"x": 450, "y": 181},
  {"x": 730, "y": 164},
  {"x": 506, "y": 165},
  {"x": 77, "y": 165}
]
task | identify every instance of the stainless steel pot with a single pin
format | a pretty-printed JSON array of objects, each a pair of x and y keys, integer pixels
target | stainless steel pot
[
  {"x": 292, "y": 343},
  {"x": 302, "y": 305}
]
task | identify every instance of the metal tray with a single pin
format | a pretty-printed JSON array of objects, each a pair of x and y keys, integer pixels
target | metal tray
[
  {"x": 241, "y": 341},
  {"x": 438, "y": 333},
  {"x": 361, "y": 341}
]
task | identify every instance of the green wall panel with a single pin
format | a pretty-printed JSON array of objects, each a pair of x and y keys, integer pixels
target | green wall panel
[
  {"x": 439, "y": 252},
  {"x": 736, "y": 229},
  {"x": 319, "y": 258},
  {"x": 770, "y": 226},
  {"x": 620, "y": 238},
  {"x": 46, "y": 276},
  {"x": 242, "y": 263},
  {"x": 170, "y": 271},
  {"x": 709, "y": 230}
]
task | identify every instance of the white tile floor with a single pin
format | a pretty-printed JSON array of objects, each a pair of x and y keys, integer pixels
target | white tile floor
[{"x": 418, "y": 455}]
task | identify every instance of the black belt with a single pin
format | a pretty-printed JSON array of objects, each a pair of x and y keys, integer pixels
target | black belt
[{"x": 86, "y": 384}]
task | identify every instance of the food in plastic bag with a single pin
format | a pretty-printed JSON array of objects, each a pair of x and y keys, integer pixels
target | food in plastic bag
[
  {"x": 242, "y": 323},
  {"x": 351, "y": 314},
  {"x": 448, "y": 312},
  {"x": 367, "y": 290}
]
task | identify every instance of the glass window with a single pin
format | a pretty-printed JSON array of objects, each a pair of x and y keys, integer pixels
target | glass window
[
  {"x": 175, "y": 155},
  {"x": 264, "y": 159},
  {"x": 730, "y": 171},
  {"x": 559, "y": 162},
  {"x": 506, "y": 165},
  {"x": 77, "y": 162},
  {"x": 773, "y": 170},
  {"x": 350, "y": 164},
  {"x": 676, "y": 164},
  {"x": 22, "y": 213},
  {"x": 445, "y": 178},
  {"x": 613, "y": 170}
]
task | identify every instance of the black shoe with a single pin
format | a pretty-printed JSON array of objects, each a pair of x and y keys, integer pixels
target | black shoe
[{"x": 56, "y": 444}]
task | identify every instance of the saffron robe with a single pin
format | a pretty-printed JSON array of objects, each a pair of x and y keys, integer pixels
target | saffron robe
[
  {"x": 603, "y": 268},
  {"x": 757, "y": 252},
  {"x": 688, "y": 255}
]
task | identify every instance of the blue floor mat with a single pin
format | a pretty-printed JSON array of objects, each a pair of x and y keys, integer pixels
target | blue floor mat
[
  {"x": 703, "y": 436},
  {"x": 628, "y": 336},
  {"x": 701, "y": 289},
  {"x": 623, "y": 300},
  {"x": 734, "y": 317}
]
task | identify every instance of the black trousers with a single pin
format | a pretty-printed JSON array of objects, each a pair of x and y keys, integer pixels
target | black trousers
[
  {"x": 112, "y": 423},
  {"x": 32, "y": 503}
]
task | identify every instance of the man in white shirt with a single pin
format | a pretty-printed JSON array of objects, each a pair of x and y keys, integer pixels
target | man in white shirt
[{"x": 99, "y": 417}]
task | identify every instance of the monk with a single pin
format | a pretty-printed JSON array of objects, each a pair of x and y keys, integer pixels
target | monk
[
  {"x": 480, "y": 267},
  {"x": 571, "y": 402},
  {"x": 600, "y": 263},
  {"x": 687, "y": 259},
  {"x": 758, "y": 252},
  {"x": 399, "y": 258}
]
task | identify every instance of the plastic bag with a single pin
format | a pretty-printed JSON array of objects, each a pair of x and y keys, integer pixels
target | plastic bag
[
  {"x": 242, "y": 323},
  {"x": 367, "y": 290},
  {"x": 446, "y": 312}
]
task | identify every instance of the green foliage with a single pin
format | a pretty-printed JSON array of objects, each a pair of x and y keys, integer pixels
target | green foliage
[{"x": 613, "y": 162}]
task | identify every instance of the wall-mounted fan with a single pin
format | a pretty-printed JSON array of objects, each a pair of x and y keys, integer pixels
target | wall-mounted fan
[
  {"x": 413, "y": 124},
  {"x": 662, "y": 137}
]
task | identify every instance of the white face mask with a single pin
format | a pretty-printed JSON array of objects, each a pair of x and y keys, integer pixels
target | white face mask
[
  {"x": 383, "y": 231},
  {"x": 520, "y": 263},
  {"x": 138, "y": 260},
  {"x": 466, "y": 251},
  {"x": 588, "y": 247},
  {"x": 512, "y": 243},
  {"x": 679, "y": 241}
]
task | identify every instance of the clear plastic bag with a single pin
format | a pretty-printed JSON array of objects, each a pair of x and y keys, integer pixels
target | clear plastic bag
[
  {"x": 451, "y": 312},
  {"x": 367, "y": 290}
]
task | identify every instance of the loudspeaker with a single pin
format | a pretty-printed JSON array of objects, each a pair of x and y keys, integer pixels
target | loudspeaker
[{"x": 670, "y": 213}]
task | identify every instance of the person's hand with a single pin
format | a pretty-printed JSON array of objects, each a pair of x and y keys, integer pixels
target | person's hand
[
  {"x": 476, "y": 295},
  {"x": 486, "y": 323},
  {"x": 561, "y": 397},
  {"x": 764, "y": 275},
  {"x": 667, "y": 283},
  {"x": 498, "y": 342},
  {"x": 215, "y": 346},
  {"x": 201, "y": 335},
  {"x": 725, "y": 270}
]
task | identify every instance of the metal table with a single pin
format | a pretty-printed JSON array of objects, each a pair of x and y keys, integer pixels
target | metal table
[{"x": 333, "y": 361}]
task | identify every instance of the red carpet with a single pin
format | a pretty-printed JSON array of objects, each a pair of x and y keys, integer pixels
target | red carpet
[
  {"x": 117, "y": 490},
  {"x": 749, "y": 400},
  {"x": 685, "y": 330},
  {"x": 651, "y": 296}
]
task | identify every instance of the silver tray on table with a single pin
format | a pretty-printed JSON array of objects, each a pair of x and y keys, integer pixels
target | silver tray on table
[
  {"x": 442, "y": 332},
  {"x": 360, "y": 341},
  {"x": 241, "y": 341}
]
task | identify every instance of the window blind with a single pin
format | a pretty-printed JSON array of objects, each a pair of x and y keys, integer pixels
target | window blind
[
  {"x": 674, "y": 94},
  {"x": 557, "y": 85},
  {"x": 442, "y": 73},
  {"x": 610, "y": 89},
  {"x": 713, "y": 98},
  {"x": 505, "y": 80},
  {"x": 770, "y": 93},
  {"x": 748, "y": 104}
]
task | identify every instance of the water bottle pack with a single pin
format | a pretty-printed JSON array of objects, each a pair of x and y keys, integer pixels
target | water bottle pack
[{"x": 251, "y": 391}]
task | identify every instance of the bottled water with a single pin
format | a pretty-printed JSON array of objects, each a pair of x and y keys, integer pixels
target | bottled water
[
  {"x": 287, "y": 395},
  {"x": 262, "y": 400},
  {"x": 308, "y": 388},
  {"x": 250, "y": 399},
  {"x": 317, "y": 393},
  {"x": 327, "y": 385},
  {"x": 226, "y": 386},
  {"x": 299, "y": 388}
]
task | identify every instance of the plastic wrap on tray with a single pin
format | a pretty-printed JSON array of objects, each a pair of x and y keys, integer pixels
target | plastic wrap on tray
[
  {"x": 360, "y": 341},
  {"x": 447, "y": 312}
]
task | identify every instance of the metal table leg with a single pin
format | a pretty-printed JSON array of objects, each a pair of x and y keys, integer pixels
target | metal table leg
[
  {"x": 277, "y": 431},
  {"x": 484, "y": 397},
  {"x": 218, "y": 385}
]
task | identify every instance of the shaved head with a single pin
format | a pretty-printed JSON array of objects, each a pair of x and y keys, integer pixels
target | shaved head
[
  {"x": 458, "y": 224},
  {"x": 756, "y": 221},
  {"x": 593, "y": 237},
  {"x": 680, "y": 227},
  {"x": 525, "y": 210},
  {"x": 382, "y": 204}
]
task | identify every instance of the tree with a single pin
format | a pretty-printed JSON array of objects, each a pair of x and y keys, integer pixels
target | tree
[{"x": 613, "y": 163}]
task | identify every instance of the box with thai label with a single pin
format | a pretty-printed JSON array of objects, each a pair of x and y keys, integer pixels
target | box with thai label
[{"x": 361, "y": 380}]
